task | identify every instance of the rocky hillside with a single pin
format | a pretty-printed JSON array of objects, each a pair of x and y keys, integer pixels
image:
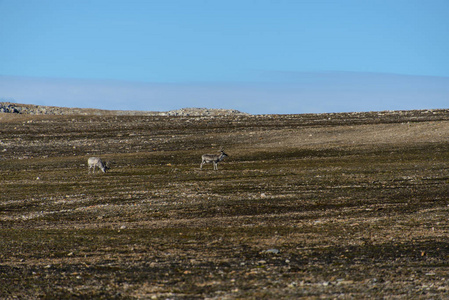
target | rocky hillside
[{"x": 8, "y": 107}]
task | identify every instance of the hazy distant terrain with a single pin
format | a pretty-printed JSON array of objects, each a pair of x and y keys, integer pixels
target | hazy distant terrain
[
  {"x": 349, "y": 205},
  {"x": 29, "y": 109}
]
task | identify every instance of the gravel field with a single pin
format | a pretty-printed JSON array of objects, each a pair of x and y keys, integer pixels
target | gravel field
[{"x": 332, "y": 206}]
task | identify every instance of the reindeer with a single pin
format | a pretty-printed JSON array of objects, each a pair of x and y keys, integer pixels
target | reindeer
[
  {"x": 93, "y": 162},
  {"x": 213, "y": 158}
]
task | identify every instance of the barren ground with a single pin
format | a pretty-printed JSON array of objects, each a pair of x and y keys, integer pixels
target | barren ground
[{"x": 313, "y": 206}]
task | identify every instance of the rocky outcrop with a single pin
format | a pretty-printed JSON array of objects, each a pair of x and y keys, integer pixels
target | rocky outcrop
[
  {"x": 186, "y": 112},
  {"x": 8, "y": 107}
]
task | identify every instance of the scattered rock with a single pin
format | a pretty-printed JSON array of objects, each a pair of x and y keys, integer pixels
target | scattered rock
[
  {"x": 272, "y": 251},
  {"x": 7, "y": 107}
]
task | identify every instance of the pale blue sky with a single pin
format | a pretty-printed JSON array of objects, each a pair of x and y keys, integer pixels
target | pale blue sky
[{"x": 265, "y": 56}]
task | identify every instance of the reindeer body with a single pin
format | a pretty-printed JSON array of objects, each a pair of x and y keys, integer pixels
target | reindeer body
[
  {"x": 213, "y": 158},
  {"x": 94, "y": 162}
]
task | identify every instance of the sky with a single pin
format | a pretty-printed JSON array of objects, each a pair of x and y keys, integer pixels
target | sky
[{"x": 257, "y": 56}]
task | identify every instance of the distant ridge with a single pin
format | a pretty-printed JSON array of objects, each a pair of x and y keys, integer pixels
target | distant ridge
[
  {"x": 30, "y": 109},
  {"x": 315, "y": 118}
]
